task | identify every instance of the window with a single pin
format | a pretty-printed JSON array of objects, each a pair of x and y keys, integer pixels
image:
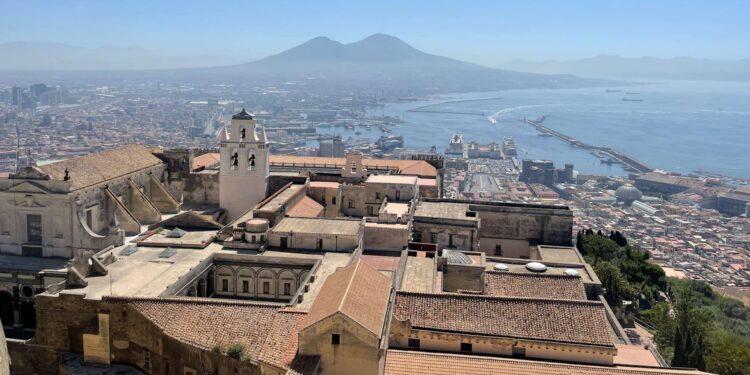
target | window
[
  {"x": 335, "y": 339},
  {"x": 414, "y": 343},
  {"x": 519, "y": 352},
  {"x": 323, "y": 200},
  {"x": 262, "y": 238},
  {"x": 333, "y": 201},
  {"x": 319, "y": 245},
  {"x": 245, "y": 286},
  {"x": 499, "y": 250},
  {"x": 377, "y": 195},
  {"x": 254, "y": 238},
  {"x": 225, "y": 285},
  {"x": 354, "y": 167},
  {"x": 433, "y": 237},
  {"x": 266, "y": 287},
  {"x": 166, "y": 366},
  {"x": 466, "y": 347},
  {"x": 398, "y": 195},
  {"x": 351, "y": 203},
  {"x": 188, "y": 371},
  {"x": 34, "y": 228},
  {"x": 417, "y": 236},
  {"x": 369, "y": 210},
  {"x": 287, "y": 289},
  {"x": 146, "y": 359},
  {"x": 450, "y": 240},
  {"x": 90, "y": 218},
  {"x": 283, "y": 242}
]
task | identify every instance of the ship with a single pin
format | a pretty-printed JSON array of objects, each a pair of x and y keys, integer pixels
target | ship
[
  {"x": 610, "y": 90},
  {"x": 632, "y": 93},
  {"x": 631, "y": 100}
]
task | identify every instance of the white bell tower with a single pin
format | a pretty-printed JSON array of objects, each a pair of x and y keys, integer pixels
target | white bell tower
[{"x": 243, "y": 177}]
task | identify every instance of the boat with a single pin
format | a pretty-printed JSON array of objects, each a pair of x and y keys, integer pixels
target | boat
[
  {"x": 610, "y": 90},
  {"x": 631, "y": 100},
  {"x": 545, "y": 135},
  {"x": 632, "y": 93}
]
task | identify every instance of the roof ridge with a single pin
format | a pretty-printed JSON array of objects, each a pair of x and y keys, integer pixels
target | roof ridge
[
  {"x": 502, "y": 298},
  {"x": 195, "y": 300},
  {"x": 526, "y": 274},
  {"x": 349, "y": 285}
]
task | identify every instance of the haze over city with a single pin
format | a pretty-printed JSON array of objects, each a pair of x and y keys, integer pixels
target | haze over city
[{"x": 374, "y": 188}]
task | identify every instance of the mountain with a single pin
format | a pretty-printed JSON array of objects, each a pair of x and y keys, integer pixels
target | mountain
[
  {"x": 678, "y": 68},
  {"x": 379, "y": 63},
  {"x": 57, "y": 56},
  {"x": 386, "y": 63}
]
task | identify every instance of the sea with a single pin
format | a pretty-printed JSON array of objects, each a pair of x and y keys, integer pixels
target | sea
[{"x": 674, "y": 126}]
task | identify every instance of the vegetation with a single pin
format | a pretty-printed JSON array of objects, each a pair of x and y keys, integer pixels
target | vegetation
[
  {"x": 699, "y": 329},
  {"x": 236, "y": 351}
]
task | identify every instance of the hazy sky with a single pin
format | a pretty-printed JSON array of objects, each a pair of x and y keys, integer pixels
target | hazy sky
[{"x": 487, "y": 32}]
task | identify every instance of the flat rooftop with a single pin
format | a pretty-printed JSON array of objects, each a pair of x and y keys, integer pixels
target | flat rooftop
[
  {"x": 281, "y": 198},
  {"x": 391, "y": 179},
  {"x": 559, "y": 254},
  {"x": 443, "y": 210},
  {"x": 318, "y": 226},
  {"x": 397, "y": 208},
  {"x": 519, "y": 266},
  {"x": 419, "y": 275}
]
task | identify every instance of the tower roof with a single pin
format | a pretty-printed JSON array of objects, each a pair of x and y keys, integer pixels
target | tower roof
[{"x": 243, "y": 115}]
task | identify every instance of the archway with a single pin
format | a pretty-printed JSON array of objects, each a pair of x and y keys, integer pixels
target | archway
[
  {"x": 202, "y": 288},
  {"x": 6, "y": 308},
  {"x": 210, "y": 279},
  {"x": 28, "y": 314}
]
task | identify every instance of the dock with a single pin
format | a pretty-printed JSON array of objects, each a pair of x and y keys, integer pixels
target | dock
[{"x": 629, "y": 163}]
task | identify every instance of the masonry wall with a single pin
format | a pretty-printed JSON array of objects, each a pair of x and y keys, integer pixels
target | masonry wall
[
  {"x": 393, "y": 237},
  {"x": 357, "y": 353},
  {"x": 543, "y": 225}
]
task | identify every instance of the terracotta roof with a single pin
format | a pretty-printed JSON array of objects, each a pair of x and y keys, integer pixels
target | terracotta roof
[
  {"x": 401, "y": 362},
  {"x": 357, "y": 291},
  {"x": 512, "y": 284},
  {"x": 102, "y": 166},
  {"x": 579, "y": 322},
  {"x": 268, "y": 333},
  {"x": 419, "y": 168},
  {"x": 306, "y": 207},
  {"x": 206, "y": 160}
]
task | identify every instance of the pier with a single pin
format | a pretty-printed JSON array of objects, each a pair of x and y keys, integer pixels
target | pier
[
  {"x": 629, "y": 163},
  {"x": 424, "y": 110}
]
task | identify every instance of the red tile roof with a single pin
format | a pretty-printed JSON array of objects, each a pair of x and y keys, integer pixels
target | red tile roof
[
  {"x": 401, "y": 362},
  {"x": 357, "y": 291},
  {"x": 578, "y": 322},
  {"x": 206, "y": 160},
  {"x": 268, "y": 333},
  {"x": 518, "y": 284},
  {"x": 306, "y": 207}
]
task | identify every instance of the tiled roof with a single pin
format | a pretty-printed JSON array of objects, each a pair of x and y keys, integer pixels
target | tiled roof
[
  {"x": 419, "y": 168},
  {"x": 206, "y": 160},
  {"x": 268, "y": 333},
  {"x": 357, "y": 291},
  {"x": 96, "y": 168},
  {"x": 579, "y": 322},
  {"x": 512, "y": 284},
  {"x": 401, "y": 362},
  {"x": 305, "y": 207}
]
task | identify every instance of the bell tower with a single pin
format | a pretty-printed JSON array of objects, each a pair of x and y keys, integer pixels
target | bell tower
[{"x": 243, "y": 174}]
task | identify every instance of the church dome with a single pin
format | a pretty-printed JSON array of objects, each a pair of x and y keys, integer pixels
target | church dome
[{"x": 627, "y": 193}]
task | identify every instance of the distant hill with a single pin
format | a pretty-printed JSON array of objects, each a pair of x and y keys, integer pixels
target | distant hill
[
  {"x": 379, "y": 63},
  {"x": 57, "y": 56},
  {"x": 678, "y": 68},
  {"x": 384, "y": 62}
]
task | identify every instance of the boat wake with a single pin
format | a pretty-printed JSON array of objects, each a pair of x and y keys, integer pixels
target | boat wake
[{"x": 499, "y": 114}]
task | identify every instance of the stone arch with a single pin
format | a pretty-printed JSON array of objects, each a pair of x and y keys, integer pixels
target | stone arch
[
  {"x": 267, "y": 283},
  {"x": 202, "y": 287},
  {"x": 225, "y": 280},
  {"x": 6, "y": 308},
  {"x": 301, "y": 277},
  {"x": 246, "y": 275},
  {"x": 288, "y": 283},
  {"x": 192, "y": 291},
  {"x": 210, "y": 282}
]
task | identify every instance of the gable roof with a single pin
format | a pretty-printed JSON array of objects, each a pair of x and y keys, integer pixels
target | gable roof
[
  {"x": 268, "y": 333},
  {"x": 578, "y": 322},
  {"x": 533, "y": 285},
  {"x": 359, "y": 292},
  {"x": 102, "y": 166},
  {"x": 306, "y": 207},
  {"x": 402, "y": 362}
]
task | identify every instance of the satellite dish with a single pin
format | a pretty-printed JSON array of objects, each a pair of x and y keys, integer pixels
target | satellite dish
[
  {"x": 501, "y": 267},
  {"x": 536, "y": 267},
  {"x": 571, "y": 272}
]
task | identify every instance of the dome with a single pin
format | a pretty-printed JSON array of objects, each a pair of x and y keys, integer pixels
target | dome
[
  {"x": 501, "y": 267},
  {"x": 536, "y": 267},
  {"x": 627, "y": 193},
  {"x": 256, "y": 225}
]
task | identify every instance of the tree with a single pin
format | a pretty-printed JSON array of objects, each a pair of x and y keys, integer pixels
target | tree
[
  {"x": 729, "y": 354},
  {"x": 690, "y": 345},
  {"x": 616, "y": 288},
  {"x": 600, "y": 247}
]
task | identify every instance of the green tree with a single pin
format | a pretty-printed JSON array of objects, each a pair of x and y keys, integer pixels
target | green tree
[
  {"x": 729, "y": 354},
  {"x": 616, "y": 287},
  {"x": 690, "y": 346}
]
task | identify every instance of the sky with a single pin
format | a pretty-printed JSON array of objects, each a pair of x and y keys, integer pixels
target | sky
[{"x": 485, "y": 32}]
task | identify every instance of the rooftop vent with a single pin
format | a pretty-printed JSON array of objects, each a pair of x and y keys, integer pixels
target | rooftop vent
[
  {"x": 536, "y": 267},
  {"x": 571, "y": 272},
  {"x": 167, "y": 253},
  {"x": 130, "y": 249},
  {"x": 175, "y": 233},
  {"x": 501, "y": 267}
]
